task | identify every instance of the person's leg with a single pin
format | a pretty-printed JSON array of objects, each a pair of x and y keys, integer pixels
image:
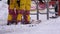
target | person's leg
[
  {"x": 11, "y": 12},
  {"x": 19, "y": 17},
  {"x": 56, "y": 11},
  {"x": 21, "y": 11},
  {"x": 27, "y": 17},
  {"x": 16, "y": 10},
  {"x": 27, "y": 12},
  {"x": 10, "y": 16}
]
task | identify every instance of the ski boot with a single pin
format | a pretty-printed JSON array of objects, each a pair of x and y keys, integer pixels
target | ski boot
[
  {"x": 53, "y": 17},
  {"x": 9, "y": 23}
]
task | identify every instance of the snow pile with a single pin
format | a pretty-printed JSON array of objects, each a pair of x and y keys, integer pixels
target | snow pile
[{"x": 3, "y": 12}]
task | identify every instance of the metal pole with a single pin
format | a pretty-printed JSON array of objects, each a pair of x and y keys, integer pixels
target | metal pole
[
  {"x": 37, "y": 10},
  {"x": 36, "y": 1},
  {"x": 47, "y": 6}
]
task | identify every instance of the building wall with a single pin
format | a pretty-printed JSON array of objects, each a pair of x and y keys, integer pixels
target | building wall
[{"x": 59, "y": 7}]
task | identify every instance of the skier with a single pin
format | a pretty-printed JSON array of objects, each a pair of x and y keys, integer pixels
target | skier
[
  {"x": 55, "y": 5},
  {"x": 24, "y": 12},
  {"x": 56, "y": 9},
  {"x": 13, "y": 11}
]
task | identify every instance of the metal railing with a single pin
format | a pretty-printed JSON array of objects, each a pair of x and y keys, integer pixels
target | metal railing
[{"x": 47, "y": 6}]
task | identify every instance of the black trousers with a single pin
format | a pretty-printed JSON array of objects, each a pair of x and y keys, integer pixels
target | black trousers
[{"x": 56, "y": 10}]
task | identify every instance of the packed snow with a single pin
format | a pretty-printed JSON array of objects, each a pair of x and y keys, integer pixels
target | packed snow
[{"x": 51, "y": 26}]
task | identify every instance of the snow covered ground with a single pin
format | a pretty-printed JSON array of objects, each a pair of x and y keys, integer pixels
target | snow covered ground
[{"x": 51, "y": 26}]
